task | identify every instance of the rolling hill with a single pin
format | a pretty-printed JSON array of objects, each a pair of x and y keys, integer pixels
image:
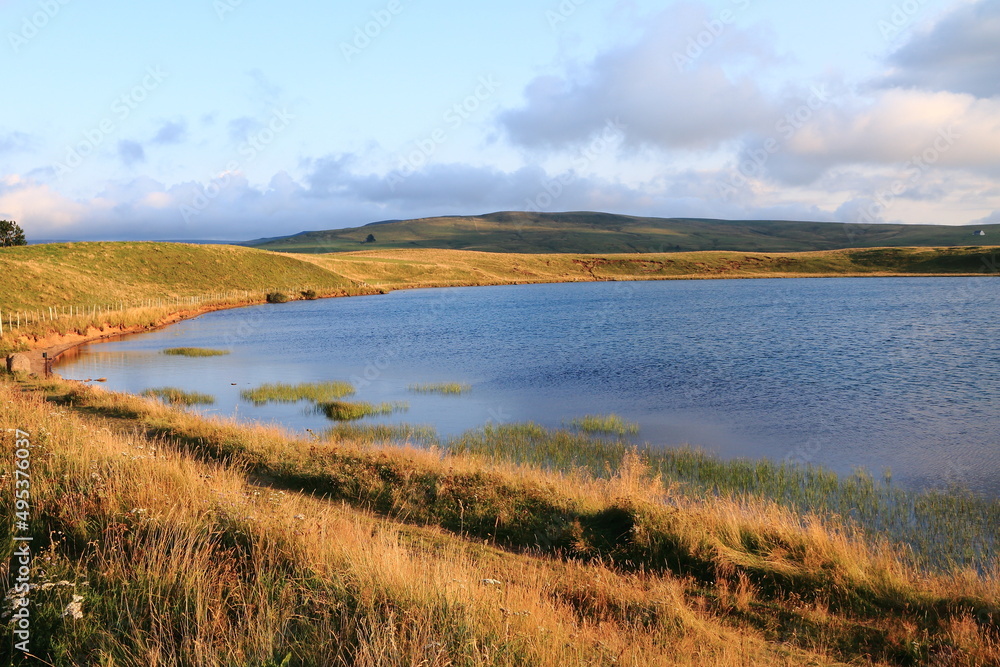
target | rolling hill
[{"x": 588, "y": 232}]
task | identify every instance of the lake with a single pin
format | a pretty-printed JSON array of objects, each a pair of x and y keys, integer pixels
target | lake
[{"x": 899, "y": 373}]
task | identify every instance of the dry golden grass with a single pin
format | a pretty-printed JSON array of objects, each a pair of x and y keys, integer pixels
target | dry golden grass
[
  {"x": 195, "y": 557},
  {"x": 189, "y": 563},
  {"x": 442, "y": 268}
]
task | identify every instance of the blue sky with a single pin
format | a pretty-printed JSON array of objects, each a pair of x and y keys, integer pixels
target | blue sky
[{"x": 237, "y": 119}]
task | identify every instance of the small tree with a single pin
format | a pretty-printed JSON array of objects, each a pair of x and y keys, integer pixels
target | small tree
[
  {"x": 370, "y": 239},
  {"x": 11, "y": 234}
]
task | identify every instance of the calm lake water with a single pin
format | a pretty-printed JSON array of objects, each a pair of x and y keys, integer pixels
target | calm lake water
[{"x": 875, "y": 373}]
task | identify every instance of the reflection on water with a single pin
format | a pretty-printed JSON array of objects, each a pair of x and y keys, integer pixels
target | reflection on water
[{"x": 877, "y": 373}]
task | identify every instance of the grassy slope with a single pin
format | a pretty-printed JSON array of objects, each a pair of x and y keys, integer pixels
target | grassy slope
[
  {"x": 101, "y": 273},
  {"x": 419, "y": 268},
  {"x": 587, "y": 232},
  {"x": 380, "y": 559}
]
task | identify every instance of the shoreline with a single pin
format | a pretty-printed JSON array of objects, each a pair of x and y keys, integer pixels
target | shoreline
[{"x": 55, "y": 345}]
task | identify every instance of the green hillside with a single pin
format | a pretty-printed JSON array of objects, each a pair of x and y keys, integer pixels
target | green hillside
[
  {"x": 587, "y": 232},
  {"x": 101, "y": 273}
]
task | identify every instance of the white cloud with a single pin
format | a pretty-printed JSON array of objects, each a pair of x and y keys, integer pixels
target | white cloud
[
  {"x": 39, "y": 210},
  {"x": 663, "y": 96},
  {"x": 906, "y": 128}
]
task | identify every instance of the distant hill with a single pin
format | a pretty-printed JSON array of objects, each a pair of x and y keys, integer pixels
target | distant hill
[{"x": 587, "y": 232}]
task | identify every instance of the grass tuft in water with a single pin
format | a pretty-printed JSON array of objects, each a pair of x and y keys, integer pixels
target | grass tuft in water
[
  {"x": 606, "y": 424},
  {"x": 194, "y": 352},
  {"x": 175, "y": 396},
  {"x": 347, "y": 411},
  {"x": 287, "y": 393},
  {"x": 453, "y": 388}
]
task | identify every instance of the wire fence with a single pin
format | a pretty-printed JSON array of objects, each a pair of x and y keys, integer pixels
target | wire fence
[{"x": 18, "y": 322}]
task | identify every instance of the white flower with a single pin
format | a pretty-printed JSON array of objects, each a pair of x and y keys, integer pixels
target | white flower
[
  {"x": 47, "y": 586},
  {"x": 75, "y": 608}
]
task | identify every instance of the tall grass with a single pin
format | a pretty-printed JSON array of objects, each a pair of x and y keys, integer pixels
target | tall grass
[
  {"x": 175, "y": 396},
  {"x": 288, "y": 393},
  {"x": 193, "y": 352},
  {"x": 938, "y": 529},
  {"x": 190, "y": 563},
  {"x": 381, "y": 434}
]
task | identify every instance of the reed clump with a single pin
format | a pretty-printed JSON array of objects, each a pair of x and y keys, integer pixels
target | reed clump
[
  {"x": 175, "y": 396},
  {"x": 447, "y": 388},
  {"x": 343, "y": 411},
  {"x": 280, "y": 392},
  {"x": 193, "y": 352},
  {"x": 605, "y": 424}
]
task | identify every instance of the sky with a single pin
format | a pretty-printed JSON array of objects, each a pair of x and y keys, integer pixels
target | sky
[{"x": 242, "y": 119}]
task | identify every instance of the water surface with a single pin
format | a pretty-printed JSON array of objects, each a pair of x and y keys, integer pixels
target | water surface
[{"x": 875, "y": 373}]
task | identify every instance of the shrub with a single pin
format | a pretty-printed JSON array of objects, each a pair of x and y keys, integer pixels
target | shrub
[
  {"x": 277, "y": 297},
  {"x": 309, "y": 294}
]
